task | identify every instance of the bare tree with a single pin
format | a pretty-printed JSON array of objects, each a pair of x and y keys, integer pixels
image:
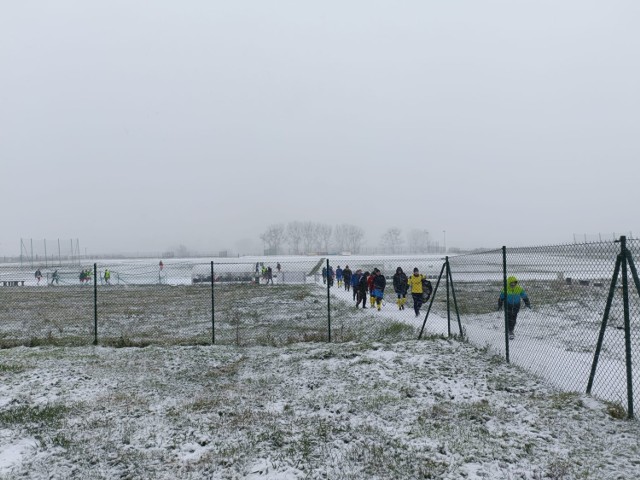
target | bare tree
[
  {"x": 273, "y": 237},
  {"x": 294, "y": 235},
  {"x": 341, "y": 236},
  {"x": 418, "y": 241},
  {"x": 392, "y": 240},
  {"x": 354, "y": 238},
  {"x": 308, "y": 230},
  {"x": 324, "y": 236}
]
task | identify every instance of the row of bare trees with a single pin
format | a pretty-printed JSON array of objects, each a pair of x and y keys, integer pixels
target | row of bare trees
[{"x": 312, "y": 237}]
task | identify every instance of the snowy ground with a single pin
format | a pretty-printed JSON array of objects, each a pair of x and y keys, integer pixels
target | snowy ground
[{"x": 414, "y": 409}]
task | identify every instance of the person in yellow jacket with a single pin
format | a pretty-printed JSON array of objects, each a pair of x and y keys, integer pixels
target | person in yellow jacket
[{"x": 415, "y": 284}]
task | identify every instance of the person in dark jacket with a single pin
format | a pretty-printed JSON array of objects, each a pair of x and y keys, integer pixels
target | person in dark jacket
[
  {"x": 346, "y": 274},
  {"x": 370, "y": 280},
  {"x": 400, "y": 286},
  {"x": 515, "y": 294},
  {"x": 355, "y": 280},
  {"x": 363, "y": 287},
  {"x": 339, "y": 273},
  {"x": 379, "y": 284}
]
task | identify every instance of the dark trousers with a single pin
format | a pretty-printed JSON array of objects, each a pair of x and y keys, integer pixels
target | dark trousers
[
  {"x": 512, "y": 315},
  {"x": 417, "y": 302},
  {"x": 362, "y": 297}
]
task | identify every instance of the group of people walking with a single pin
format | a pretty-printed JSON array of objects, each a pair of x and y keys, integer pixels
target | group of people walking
[{"x": 374, "y": 284}]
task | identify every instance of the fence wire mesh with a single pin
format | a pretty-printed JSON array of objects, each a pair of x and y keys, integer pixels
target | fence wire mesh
[
  {"x": 276, "y": 301},
  {"x": 568, "y": 287}
]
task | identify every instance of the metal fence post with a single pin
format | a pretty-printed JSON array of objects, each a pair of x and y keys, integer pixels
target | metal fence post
[
  {"x": 95, "y": 303},
  {"x": 603, "y": 326},
  {"x": 455, "y": 301},
  {"x": 446, "y": 261},
  {"x": 627, "y": 326},
  {"x": 213, "y": 308},
  {"x": 433, "y": 295},
  {"x": 504, "y": 289},
  {"x": 328, "y": 304}
]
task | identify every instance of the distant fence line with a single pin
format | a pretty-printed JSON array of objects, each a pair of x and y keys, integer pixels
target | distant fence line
[{"x": 581, "y": 333}]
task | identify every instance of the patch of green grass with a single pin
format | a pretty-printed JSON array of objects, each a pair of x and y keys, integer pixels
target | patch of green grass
[
  {"x": 11, "y": 368},
  {"x": 47, "y": 415},
  {"x": 565, "y": 400},
  {"x": 616, "y": 410}
]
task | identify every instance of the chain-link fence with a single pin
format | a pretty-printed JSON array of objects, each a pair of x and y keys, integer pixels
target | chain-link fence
[
  {"x": 576, "y": 295},
  {"x": 276, "y": 301},
  {"x": 129, "y": 303}
]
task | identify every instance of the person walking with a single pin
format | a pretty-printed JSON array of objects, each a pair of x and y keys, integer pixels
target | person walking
[
  {"x": 379, "y": 284},
  {"x": 515, "y": 294},
  {"x": 38, "y": 275},
  {"x": 324, "y": 275},
  {"x": 339, "y": 273},
  {"x": 107, "y": 276},
  {"x": 415, "y": 284},
  {"x": 400, "y": 286},
  {"x": 330, "y": 276},
  {"x": 269, "y": 275},
  {"x": 363, "y": 287},
  {"x": 55, "y": 278},
  {"x": 346, "y": 274},
  {"x": 370, "y": 280},
  {"x": 355, "y": 280}
]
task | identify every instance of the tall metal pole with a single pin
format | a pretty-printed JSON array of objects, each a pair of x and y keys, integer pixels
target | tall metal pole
[
  {"x": 45, "y": 253},
  {"x": 95, "y": 302},
  {"x": 328, "y": 304},
  {"x": 446, "y": 260},
  {"x": 504, "y": 289},
  {"x": 627, "y": 327},
  {"x": 213, "y": 309}
]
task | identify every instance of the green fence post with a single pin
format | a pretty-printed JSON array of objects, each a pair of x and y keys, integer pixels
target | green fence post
[
  {"x": 504, "y": 289},
  {"x": 433, "y": 295},
  {"x": 446, "y": 261},
  {"x": 213, "y": 309},
  {"x": 603, "y": 326},
  {"x": 328, "y": 304},
  {"x": 627, "y": 327},
  {"x": 95, "y": 303},
  {"x": 455, "y": 302}
]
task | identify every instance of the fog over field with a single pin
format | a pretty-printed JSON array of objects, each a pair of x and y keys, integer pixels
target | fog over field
[{"x": 139, "y": 128}]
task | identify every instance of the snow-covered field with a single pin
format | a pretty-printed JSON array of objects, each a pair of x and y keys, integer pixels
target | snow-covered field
[
  {"x": 381, "y": 404},
  {"x": 412, "y": 409}
]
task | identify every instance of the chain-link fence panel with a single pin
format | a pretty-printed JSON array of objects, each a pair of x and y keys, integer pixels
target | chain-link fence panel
[
  {"x": 141, "y": 303},
  {"x": 46, "y": 305},
  {"x": 368, "y": 312},
  {"x": 633, "y": 248},
  {"x": 567, "y": 287},
  {"x": 477, "y": 281},
  {"x": 271, "y": 302}
]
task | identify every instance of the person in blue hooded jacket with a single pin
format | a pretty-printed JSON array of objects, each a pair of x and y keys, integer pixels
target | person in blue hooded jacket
[{"x": 515, "y": 295}]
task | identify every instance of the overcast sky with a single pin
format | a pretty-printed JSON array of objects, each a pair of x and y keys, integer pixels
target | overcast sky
[{"x": 142, "y": 125}]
